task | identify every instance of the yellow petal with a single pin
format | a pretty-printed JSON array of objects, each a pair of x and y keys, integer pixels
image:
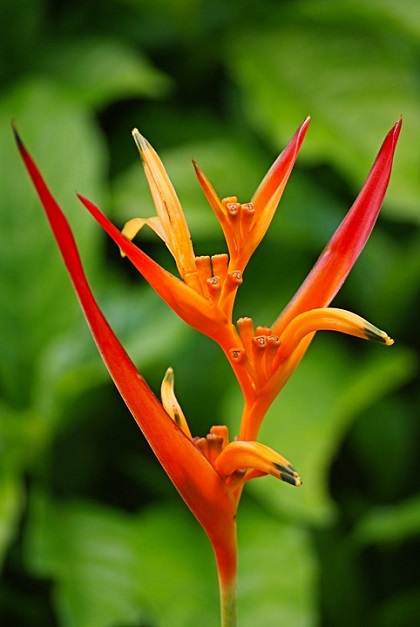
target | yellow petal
[
  {"x": 326, "y": 319},
  {"x": 134, "y": 226},
  {"x": 168, "y": 207},
  {"x": 170, "y": 403},
  {"x": 240, "y": 455}
]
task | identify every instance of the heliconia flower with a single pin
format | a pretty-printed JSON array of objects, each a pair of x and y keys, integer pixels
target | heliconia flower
[
  {"x": 208, "y": 472},
  {"x": 263, "y": 358}
]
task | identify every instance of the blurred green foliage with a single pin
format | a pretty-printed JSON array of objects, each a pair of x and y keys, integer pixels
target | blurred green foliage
[{"x": 92, "y": 534}]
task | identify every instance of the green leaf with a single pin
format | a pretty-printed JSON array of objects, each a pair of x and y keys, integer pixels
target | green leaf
[
  {"x": 390, "y": 525},
  {"x": 36, "y": 300},
  {"x": 308, "y": 420},
  {"x": 11, "y": 501},
  {"x": 278, "y": 572},
  {"x": 96, "y": 71},
  {"x": 383, "y": 445},
  {"x": 266, "y": 546},
  {"x": 112, "y": 568},
  {"x": 71, "y": 364},
  {"x": 87, "y": 551},
  {"x": 20, "y": 37},
  {"x": 179, "y": 573},
  {"x": 354, "y": 82},
  {"x": 22, "y": 435},
  {"x": 381, "y": 15},
  {"x": 398, "y": 610}
]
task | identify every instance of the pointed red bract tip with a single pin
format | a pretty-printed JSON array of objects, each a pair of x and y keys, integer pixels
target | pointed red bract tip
[
  {"x": 281, "y": 168},
  {"x": 345, "y": 246},
  {"x": 17, "y": 137}
]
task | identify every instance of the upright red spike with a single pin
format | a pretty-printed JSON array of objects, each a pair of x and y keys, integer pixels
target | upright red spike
[{"x": 341, "y": 253}]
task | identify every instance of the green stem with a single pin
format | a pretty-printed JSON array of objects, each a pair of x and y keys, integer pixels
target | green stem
[
  {"x": 226, "y": 562},
  {"x": 228, "y": 604}
]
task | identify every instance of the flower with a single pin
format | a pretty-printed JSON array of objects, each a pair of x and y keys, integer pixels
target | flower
[{"x": 209, "y": 472}]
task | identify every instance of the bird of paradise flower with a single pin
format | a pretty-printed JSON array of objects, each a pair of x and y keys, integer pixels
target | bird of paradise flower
[{"x": 210, "y": 472}]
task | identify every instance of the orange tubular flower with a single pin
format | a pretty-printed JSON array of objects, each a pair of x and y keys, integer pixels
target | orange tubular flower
[{"x": 209, "y": 472}]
